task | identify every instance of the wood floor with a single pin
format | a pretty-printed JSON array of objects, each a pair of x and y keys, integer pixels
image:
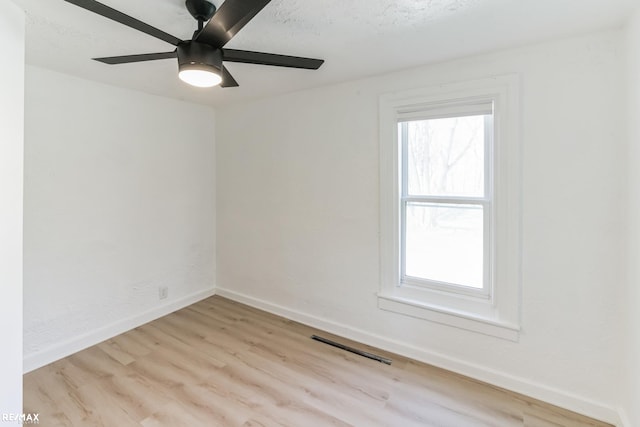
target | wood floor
[{"x": 220, "y": 363}]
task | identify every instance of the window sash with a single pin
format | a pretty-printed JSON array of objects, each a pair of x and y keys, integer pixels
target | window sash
[
  {"x": 485, "y": 290},
  {"x": 482, "y": 107}
]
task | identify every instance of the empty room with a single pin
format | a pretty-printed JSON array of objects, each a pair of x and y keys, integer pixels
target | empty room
[{"x": 317, "y": 213}]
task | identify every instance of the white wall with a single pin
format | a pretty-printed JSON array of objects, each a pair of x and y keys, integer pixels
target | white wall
[
  {"x": 632, "y": 371},
  {"x": 11, "y": 169},
  {"x": 119, "y": 201},
  {"x": 298, "y": 218}
]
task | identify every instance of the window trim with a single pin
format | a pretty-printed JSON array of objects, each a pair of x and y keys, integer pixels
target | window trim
[{"x": 496, "y": 312}]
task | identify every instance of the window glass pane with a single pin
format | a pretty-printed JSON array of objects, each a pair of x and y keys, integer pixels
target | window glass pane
[
  {"x": 445, "y": 157},
  {"x": 444, "y": 243}
]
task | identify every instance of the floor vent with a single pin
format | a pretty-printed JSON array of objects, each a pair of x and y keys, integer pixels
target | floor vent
[{"x": 352, "y": 350}]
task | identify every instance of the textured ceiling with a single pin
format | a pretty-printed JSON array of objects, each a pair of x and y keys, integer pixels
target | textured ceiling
[{"x": 355, "y": 37}]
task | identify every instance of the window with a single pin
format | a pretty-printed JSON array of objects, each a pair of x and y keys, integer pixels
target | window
[
  {"x": 446, "y": 198},
  {"x": 450, "y": 205}
]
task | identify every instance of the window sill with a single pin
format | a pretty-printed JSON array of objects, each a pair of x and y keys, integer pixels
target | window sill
[{"x": 463, "y": 320}]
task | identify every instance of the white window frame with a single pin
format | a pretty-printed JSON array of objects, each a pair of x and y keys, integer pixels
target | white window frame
[
  {"x": 454, "y": 109},
  {"x": 495, "y": 309}
]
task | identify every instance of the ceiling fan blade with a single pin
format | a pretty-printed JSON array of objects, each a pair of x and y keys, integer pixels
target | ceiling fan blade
[
  {"x": 227, "y": 79},
  {"x": 249, "y": 57},
  {"x": 228, "y": 20},
  {"x": 125, "y": 59},
  {"x": 127, "y": 20}
]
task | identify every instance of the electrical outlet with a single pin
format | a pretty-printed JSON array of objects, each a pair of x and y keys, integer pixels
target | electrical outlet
[{"x": 163, "y": 292}]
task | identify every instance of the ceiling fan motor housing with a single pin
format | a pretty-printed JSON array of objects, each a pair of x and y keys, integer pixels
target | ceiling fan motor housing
[{"x": 199, "y": 56}]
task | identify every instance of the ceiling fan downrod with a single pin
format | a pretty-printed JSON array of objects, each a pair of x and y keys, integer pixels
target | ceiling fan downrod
[{"x": 201, "y": 10}]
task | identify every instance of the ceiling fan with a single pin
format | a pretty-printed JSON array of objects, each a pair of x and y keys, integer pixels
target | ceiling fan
[{"x": 200, "y": 60}]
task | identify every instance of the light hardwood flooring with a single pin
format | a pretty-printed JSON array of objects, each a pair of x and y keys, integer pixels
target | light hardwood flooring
[{"x": 221, "y": 363}]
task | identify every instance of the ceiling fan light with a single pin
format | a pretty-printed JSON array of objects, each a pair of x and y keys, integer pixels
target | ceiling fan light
[
  {"x": 200, "y": 77},
  {"x": 199, "y": 64}
]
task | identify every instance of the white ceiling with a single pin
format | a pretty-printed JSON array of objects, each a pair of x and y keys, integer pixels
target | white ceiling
[{"x": 356, "y": 38}]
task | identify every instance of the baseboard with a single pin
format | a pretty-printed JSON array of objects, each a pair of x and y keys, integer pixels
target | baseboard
[
  {"x": 529, "y": 388},
  {"x": 623, "y": 418},
  {"x": 64, "y": 349}
]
